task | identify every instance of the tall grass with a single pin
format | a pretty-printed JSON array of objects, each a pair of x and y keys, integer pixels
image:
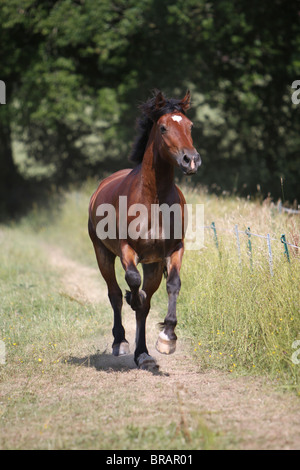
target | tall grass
[
  {"x": 46, "y": 402},
  {"x": 38, "y": 324},
  {"x": 238, "y": 319}
]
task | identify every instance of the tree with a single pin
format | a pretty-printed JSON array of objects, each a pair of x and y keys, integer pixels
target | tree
[
  {"x": 253, "y": 54},
  {"x": 75, "y": 72}
]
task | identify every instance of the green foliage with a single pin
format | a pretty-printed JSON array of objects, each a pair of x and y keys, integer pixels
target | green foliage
[{"x": 76, "y": 71}]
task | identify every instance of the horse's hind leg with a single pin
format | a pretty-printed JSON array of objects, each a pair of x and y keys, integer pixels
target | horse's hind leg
[{"x": 106, "y": 263}]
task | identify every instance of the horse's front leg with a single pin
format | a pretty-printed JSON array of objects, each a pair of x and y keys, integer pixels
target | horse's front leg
[
  {"x": 152, "y": 279},
  {"x": 139, "y": 300},
  {"x": 129, "y": 260},
  {"x": 166, "y": 342}
]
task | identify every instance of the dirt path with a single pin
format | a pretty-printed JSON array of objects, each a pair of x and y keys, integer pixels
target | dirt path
[{"x": 247, "y": 412}]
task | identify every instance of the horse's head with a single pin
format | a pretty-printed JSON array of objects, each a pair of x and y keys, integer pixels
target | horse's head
[{"x": 174, "y": 137}]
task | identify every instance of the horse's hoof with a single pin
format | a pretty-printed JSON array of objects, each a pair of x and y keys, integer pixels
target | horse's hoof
[
  {"x": 165, "y": 345},
  {"x": 146, "y": 362},
  {"x": 121, "y": 349}
]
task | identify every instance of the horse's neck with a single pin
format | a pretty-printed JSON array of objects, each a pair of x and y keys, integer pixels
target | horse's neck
[{"x": 157, "y": 174}]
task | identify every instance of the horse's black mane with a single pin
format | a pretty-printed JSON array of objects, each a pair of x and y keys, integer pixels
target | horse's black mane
[{"x": 150, "y": 114}]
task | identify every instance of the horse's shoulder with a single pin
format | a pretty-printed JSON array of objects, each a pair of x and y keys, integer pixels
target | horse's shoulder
[{"x": 109, "y": 180}]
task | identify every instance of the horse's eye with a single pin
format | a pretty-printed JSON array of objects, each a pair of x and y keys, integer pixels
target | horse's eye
[{"x": 163, "y": 129}]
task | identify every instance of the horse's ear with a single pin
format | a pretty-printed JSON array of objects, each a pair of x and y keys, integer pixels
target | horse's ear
[
  {"x": 159, "y": 100},
  {"x": 186, "y": 101}
]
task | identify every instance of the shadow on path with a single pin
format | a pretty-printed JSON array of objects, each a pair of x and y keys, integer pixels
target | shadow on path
[{"x": 107, "y": 362}]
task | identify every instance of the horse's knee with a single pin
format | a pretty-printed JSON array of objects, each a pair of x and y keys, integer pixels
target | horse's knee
[{"x": 133, "y": 278}]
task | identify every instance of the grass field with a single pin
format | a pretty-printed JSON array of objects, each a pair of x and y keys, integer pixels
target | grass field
[
  {"x": 241, "y": 318},
  {"x": 237, "y": 320}
]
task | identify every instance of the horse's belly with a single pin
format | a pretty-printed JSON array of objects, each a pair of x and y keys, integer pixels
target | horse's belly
[
  {"x": 155, "y": 251},
  {"x": 151, "y": 252}
]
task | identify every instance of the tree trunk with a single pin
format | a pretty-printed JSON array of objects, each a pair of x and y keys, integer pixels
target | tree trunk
[{"x": 9, "y": 177}]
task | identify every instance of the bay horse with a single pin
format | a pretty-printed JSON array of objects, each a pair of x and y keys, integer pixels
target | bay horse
[{"x": 164, "y": 142}]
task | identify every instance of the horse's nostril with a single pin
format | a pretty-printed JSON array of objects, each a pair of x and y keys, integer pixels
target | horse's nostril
[{"x": 186, "y": 159}]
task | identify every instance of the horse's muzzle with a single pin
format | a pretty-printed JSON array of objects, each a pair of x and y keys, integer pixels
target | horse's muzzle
[{"x": 190, "y": 163}]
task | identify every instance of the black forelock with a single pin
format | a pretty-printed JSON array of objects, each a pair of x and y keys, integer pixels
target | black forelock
[{"x": 150, "y": 113}]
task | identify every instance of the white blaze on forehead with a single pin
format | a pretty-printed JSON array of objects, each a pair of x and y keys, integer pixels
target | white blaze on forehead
[{"x": 176, "y": 118}]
